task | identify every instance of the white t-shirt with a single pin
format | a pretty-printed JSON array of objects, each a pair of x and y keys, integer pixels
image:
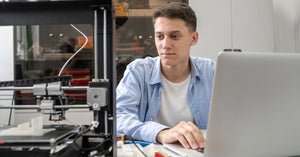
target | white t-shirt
[{"x": 174, "y": 103}]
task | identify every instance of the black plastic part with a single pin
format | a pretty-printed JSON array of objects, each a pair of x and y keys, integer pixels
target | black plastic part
[{"x": 29, "y": 82}]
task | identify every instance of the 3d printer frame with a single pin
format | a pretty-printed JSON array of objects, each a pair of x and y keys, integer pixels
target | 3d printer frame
[{"x": 100, "y": 14}]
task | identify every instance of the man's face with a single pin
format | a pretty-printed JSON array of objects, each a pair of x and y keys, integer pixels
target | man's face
[{"x": 173, "y": 41}]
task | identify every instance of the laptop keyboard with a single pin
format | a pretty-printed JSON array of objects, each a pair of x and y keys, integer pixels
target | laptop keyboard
[{"x": 181, "y": 151}]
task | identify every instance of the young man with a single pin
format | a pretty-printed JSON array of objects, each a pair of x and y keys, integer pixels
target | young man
[{"x": 167, "y": 98}]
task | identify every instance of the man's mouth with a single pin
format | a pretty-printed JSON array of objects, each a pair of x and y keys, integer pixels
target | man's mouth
[{"x": 167, "y": 54}]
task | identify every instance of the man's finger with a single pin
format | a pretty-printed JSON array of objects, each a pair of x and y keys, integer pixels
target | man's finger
[
  {"x": 183, "y": 141},
  {"x": 197, "y": 134},
  {"x": 191, "y": 140}
]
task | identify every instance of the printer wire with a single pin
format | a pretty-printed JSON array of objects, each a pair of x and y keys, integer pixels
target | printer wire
[{"x": 66, "y": 63}]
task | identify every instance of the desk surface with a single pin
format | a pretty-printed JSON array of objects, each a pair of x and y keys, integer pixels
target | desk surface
[{"x": 130, "y": 150}]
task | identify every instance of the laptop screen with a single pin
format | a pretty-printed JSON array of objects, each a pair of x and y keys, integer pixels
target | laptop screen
[{"x": 255, "y": 108}]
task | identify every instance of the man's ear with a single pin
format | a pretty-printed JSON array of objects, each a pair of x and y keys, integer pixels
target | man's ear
[{"x": 194, "y": 38}]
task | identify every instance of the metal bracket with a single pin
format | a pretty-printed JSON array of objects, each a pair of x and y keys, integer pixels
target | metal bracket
[
  {"x": 97, "y": 98},
  {"x": 54, "y": 88},
  {"x": 47, "y": 106},
  {"x": 39, "y": 89}
]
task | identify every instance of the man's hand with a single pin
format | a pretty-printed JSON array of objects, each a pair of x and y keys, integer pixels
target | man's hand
[{"x": 187, "y": 133}]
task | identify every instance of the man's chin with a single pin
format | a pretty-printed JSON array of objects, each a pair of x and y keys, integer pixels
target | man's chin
[{"x": 167, "y": 62}]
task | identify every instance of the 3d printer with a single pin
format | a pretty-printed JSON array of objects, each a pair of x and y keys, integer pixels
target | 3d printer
[{"x": 96, "y": 139}]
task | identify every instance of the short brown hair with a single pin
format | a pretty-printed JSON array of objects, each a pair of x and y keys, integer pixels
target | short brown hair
[{"x": 177, "y": 10}]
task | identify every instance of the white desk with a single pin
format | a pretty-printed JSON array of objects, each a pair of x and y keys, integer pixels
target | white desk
[{"x": 130, "y": 150}]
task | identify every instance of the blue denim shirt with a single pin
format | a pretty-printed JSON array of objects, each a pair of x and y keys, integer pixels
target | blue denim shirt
[{"x": 138, "y": 96}]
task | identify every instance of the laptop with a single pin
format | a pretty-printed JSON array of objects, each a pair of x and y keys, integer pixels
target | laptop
[{"x": 255, "y": 110}]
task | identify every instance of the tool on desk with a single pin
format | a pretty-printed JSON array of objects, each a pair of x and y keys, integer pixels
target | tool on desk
[
  {"x": 143, "y": 144},
  {"x": 135, "y": 143}
]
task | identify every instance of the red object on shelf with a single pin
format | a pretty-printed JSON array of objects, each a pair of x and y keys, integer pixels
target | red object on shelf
[
  {"x": 137, "y": 49},
  {"x": 134, "y": 44},
  {"x": 80, "y": 81},
  {"x": 76, "y": 73},
  {"x": 81, "y": 77}
]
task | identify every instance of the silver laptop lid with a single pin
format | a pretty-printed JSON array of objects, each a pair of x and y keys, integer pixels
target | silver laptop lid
[{"x": 255, "y": 107}]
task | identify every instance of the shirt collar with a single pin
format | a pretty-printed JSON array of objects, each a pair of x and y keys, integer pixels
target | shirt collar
[
  {"x": 155, "y": 76},
  {"x": 194, "y": 72}
]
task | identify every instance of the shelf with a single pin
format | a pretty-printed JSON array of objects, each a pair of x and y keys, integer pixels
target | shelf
[
  {"x": 59, "y": 57},
  {"x": 140, "y": 12},
  {"x": 137, "y": 13}
]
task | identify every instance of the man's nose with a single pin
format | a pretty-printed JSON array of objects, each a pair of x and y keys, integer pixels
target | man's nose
[{"x": 166, "y": 43}]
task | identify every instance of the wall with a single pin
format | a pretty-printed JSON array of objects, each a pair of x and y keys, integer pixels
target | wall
[
  {"x": 6, "y": 68},
  {"x": 238, "y": 24},
  {"x": 286, "y": 25},
  {"x": 213, "y": 26},
  {"x": 252, "y": 25}
]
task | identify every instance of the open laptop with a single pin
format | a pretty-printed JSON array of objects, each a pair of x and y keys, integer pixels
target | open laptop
[{"x": 255, "y": 110}]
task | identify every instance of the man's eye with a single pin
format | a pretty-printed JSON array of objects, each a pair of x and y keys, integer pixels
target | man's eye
[
  {"x": 175, "y": 36},
  {"x": 160, "y": 36}
]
